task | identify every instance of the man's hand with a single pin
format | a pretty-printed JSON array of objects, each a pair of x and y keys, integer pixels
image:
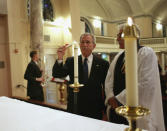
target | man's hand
[
  {"x": 113, "y": 102},
  {"x": 61, "y": 51},
  {"x": 41, "y": 79}
]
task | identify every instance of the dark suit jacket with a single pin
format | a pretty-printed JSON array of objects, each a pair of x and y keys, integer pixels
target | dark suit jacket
[
  {"x": 34, "y": 88},
  {"x": 90, "y": 97}
]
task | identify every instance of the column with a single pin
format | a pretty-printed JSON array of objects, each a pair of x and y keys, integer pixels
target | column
[
  {"x": 36, "y": 28},
  {"x": 75, "y": 19},
  {"x": 163, "y": 63}
]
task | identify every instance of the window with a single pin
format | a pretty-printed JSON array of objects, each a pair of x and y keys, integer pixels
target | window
[
  {"x": 28, "y": 8},
  {"x": 88, "y": 26},
  {"x": 47, "y": 10}
]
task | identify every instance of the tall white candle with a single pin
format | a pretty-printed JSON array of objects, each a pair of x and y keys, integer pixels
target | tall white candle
[
  {"x": 131, "y": 70},
  {"x": 75, "y": 62}
]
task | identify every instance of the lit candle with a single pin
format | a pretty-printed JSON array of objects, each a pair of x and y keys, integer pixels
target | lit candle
[
  {"x": 75, "y": 62},
  {"x": 131, "y": 64}
]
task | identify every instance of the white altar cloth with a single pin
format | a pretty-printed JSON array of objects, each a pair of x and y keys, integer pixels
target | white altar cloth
[{"x": 16, "y": 115}]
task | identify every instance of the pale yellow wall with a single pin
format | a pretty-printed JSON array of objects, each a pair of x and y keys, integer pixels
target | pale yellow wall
[
  {"x": 145, "y": 25},
  {"x": 157, "y": 33},
  {"x": 110, "y": 29},
  {"x": 18, "y": 28},
  {"x": 75, "y": 19},
  {"x": 5, "y": 84}
]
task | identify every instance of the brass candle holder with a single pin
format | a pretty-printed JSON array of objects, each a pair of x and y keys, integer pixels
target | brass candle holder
[
  {"x": 132, "y": 114},
  {"x": 62, "y": 89},
  {"x": 76, "y": 87}
]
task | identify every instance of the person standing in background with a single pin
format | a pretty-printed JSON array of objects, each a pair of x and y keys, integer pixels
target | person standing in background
[{"x": 33, "y": 75}]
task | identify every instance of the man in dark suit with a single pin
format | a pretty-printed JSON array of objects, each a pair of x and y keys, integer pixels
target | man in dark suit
[
  {"x": 90, "y": 97},
  {"x": 34, "y": 76}
]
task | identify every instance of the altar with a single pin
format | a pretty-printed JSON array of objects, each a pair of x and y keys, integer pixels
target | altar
[{"x": 16, "y": 115}]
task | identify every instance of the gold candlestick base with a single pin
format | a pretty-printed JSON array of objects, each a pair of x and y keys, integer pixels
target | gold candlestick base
[
  {"x": 132, "y": 114},
  {"x": 76, "y": 86},
  {"x": 62, "y": 93}
]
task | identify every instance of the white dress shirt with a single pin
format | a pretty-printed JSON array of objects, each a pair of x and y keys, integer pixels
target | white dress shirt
[{"x": 89, "y": 62}]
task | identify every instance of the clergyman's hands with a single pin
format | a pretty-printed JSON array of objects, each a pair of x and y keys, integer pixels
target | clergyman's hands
[
  {"x": 61, "y": 51},
  {"x": 113, "y": 102}
]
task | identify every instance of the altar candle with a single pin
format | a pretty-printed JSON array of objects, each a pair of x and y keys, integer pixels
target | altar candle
[
  {"x": 131, "y": 67},
  {"x": 75, "y": 62}
]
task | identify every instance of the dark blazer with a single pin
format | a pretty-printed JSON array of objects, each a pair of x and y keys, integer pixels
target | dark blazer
[
  {"x": 91, "y": 96},
  {"x": 34, "y": 88}
]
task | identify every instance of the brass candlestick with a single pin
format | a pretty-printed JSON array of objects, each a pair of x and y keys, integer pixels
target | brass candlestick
[
  {"x": 132, "y": 114},
  {"x": 76, "y": 87},
  {"x": 62, "y": 93}
]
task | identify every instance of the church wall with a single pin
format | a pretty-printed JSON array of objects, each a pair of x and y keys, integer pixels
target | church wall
[
  {"x": 18, "y": 27},
  {"x": 110, "y": 29},
  {"x": 156, "y": 32},
  {"x": 145, "y": 26},
  {"x": 5, "y": 84}
]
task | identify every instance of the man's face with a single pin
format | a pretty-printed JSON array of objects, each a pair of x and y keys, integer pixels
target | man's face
[
  {"x": 120, "y": 39},
  {"x": 87, "y": 45},
  {"x": 36, "y": 57}
]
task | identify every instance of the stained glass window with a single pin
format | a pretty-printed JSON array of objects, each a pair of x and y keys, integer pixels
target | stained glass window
[
  {"x": 28, "y": 7},
  {"x": 47, "y": 10}
]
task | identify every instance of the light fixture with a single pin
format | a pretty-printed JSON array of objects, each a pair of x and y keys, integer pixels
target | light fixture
[
  {"x": 159, "y": 26},
  {"x": 97, "y": 23}
]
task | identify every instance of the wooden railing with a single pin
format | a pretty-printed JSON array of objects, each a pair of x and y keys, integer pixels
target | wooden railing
[{"x": 143, "y": 41}]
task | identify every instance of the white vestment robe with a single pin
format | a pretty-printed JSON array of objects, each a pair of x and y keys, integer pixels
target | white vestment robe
[{"x": 148, "y": 87}]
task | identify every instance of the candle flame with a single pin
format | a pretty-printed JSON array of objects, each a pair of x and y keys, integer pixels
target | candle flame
[{"x": 130, "y": 21}]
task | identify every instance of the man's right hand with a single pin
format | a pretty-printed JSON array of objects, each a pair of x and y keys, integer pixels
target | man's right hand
[
  {"x": 113, "y": 102},
  {"x": 61, "y": 51}
]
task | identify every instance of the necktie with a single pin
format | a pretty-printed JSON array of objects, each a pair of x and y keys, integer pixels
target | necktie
[{"x": 85, "y": 70}]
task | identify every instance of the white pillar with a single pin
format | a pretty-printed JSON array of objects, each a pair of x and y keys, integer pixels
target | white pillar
[
  {"x": 75, "y": 19},
  {"x": 36, "y": 33},
  {"x": 163, "y": 63}
]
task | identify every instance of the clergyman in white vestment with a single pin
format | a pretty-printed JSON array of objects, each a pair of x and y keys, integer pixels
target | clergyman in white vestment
[{"x": 148, "y": 87}]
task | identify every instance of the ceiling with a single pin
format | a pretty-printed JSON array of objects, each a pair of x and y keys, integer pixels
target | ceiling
[{"x": 118, "y": 10}]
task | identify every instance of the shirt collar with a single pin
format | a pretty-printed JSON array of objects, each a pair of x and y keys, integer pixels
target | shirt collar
[
  {"x": 35, "y": 62},
  {"x": 90, "y": 58}
]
